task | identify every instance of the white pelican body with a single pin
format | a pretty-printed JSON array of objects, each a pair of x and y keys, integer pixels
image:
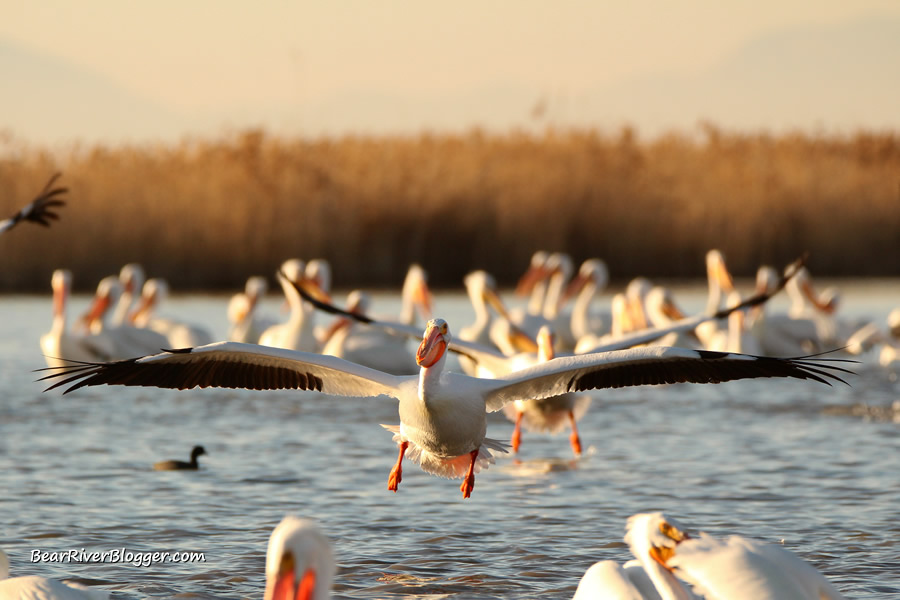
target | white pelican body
[
  {"x": 131, "y": 276},
  {"x": 59, "y": 344},
  {"x": 742, "y": 569},
  {"x": 178, "y": 333},
  {"x": 368, "y": 346},
  {"x": 737, "y": 337},
  {"x": 34, "y": 587},
  {"x": 126, "y": 341},
  {"x": 246, "y": 325},
  {"x": 299, "y": 562},
  {"x": 442, "y": 415},
  {"x": 377, "y": 348},
  {"x": 650, "y": 537},
  {"x": 784, "y": 334},
  {"x": 297, "y": 332},
  {"x": 551, "y": 414},
  {"x": 592, "y": 278}
]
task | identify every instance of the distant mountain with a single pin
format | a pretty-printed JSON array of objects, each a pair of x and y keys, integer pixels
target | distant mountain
[
  {"x": 47, "y": 99},
  {"x": 810, "y": 77},
  {"x": 838, "y": 77}
]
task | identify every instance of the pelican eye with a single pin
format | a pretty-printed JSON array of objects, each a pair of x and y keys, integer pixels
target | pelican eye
[
  {"x": 671, "y": 532},
  {"x": 444, "y": 328}
]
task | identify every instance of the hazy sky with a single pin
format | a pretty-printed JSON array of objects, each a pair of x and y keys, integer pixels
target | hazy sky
[{"x": 245, "y": 56}]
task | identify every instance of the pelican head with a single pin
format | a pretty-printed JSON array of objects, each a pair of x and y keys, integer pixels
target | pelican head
[
  {"x": 415, "y": 288},
  {"x": 654, "y": 535},
  {"x": 717, "y": 272},
  {"x": 434, "y": 343},
  {"x": 108, "y": 291},
  {"x": 482, "y": 288},
  {"x": 132, "y": 277},
  {"x": 593, "y": 270},
  {"x": 155, "y": 290},
  {"x": 318, "y": 271},
  {"x": 537, "y": 271},
  {"x": 299, "y": 562}
]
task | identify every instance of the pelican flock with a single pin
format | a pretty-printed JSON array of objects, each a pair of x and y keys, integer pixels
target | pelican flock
[{"x": 538, "y": 364}]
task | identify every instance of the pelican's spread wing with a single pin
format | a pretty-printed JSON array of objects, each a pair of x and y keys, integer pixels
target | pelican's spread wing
[
  {"x": 234, "y": 365},
  {"x": 40, "y": 210},
  {"x": 650, "y": 366}
]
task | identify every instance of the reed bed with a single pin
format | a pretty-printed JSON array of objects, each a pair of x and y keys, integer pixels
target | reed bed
[{"x": 206, "y": 214}]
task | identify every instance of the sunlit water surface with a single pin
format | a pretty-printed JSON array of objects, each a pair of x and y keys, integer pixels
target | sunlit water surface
[{"x": 812, "y": 466}]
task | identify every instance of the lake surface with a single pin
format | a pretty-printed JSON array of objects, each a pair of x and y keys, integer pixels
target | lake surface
[{"x": 813, "y": 466}]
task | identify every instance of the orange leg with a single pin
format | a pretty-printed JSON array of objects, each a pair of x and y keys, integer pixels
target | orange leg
[
  {"x": 397, "y": 471},
  {"x": 468, "y": 483},
  {"x": 517, "y": 433},
  {"x": 574, "y": 439}
]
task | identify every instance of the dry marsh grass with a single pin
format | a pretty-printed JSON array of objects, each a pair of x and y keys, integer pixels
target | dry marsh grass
[{"x": 206, "y": 214}]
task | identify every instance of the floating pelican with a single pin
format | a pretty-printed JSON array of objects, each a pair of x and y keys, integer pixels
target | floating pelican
[
  {"x": 442, "y": 414},
  {"x": 592, "y": 278},
  {"x": 34, "y": 587},
  {"x": 246, "y": 325},
  {"x": 783, "y": 334},
  {"x": 651, "y": 538},
  {"x": 59, "y": 344},
  {"x": 179, "y": 333},
  {"x": 125, "y": 340},
  {"x": 377, "y": 348},
  {"x": 297, "y": 332},
  {"x": 743, "y": 569},
  {"x": 131, "y": 276},
  {"x": 40, "y": 210},
  {"x": 299, "y": 562}
]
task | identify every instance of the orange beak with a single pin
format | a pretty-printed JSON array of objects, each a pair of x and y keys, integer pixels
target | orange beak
[
  {"x": 143, "y": 308},
  {"x": 423, "y": 300},
  {"x": 529, "y": 279},
  {"x": 314, "y": 288},
  {"x": 98, "y": 308},
  {"x": 284, "y": 588},
  {"x": 59, "y": 299},
  {"x": 575, "y": 286},
  {"x": 431, "y": 349}
]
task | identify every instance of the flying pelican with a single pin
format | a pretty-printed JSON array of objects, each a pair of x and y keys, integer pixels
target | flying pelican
[
  {"x": 651, "y": 538},
  {"x": 442, "y": 414},
  {"x": 41, "y": 209},
  {"x": 179, "y": 334},
  {"x": 59, "y": 344},
  {"x": 546, "y": 414},
  {"x": 299, "y": 562},
  {"x": 40, "y": 588}
]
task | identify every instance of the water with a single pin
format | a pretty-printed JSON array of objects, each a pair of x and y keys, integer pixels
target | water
[{"x": 814, "y": 466}]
